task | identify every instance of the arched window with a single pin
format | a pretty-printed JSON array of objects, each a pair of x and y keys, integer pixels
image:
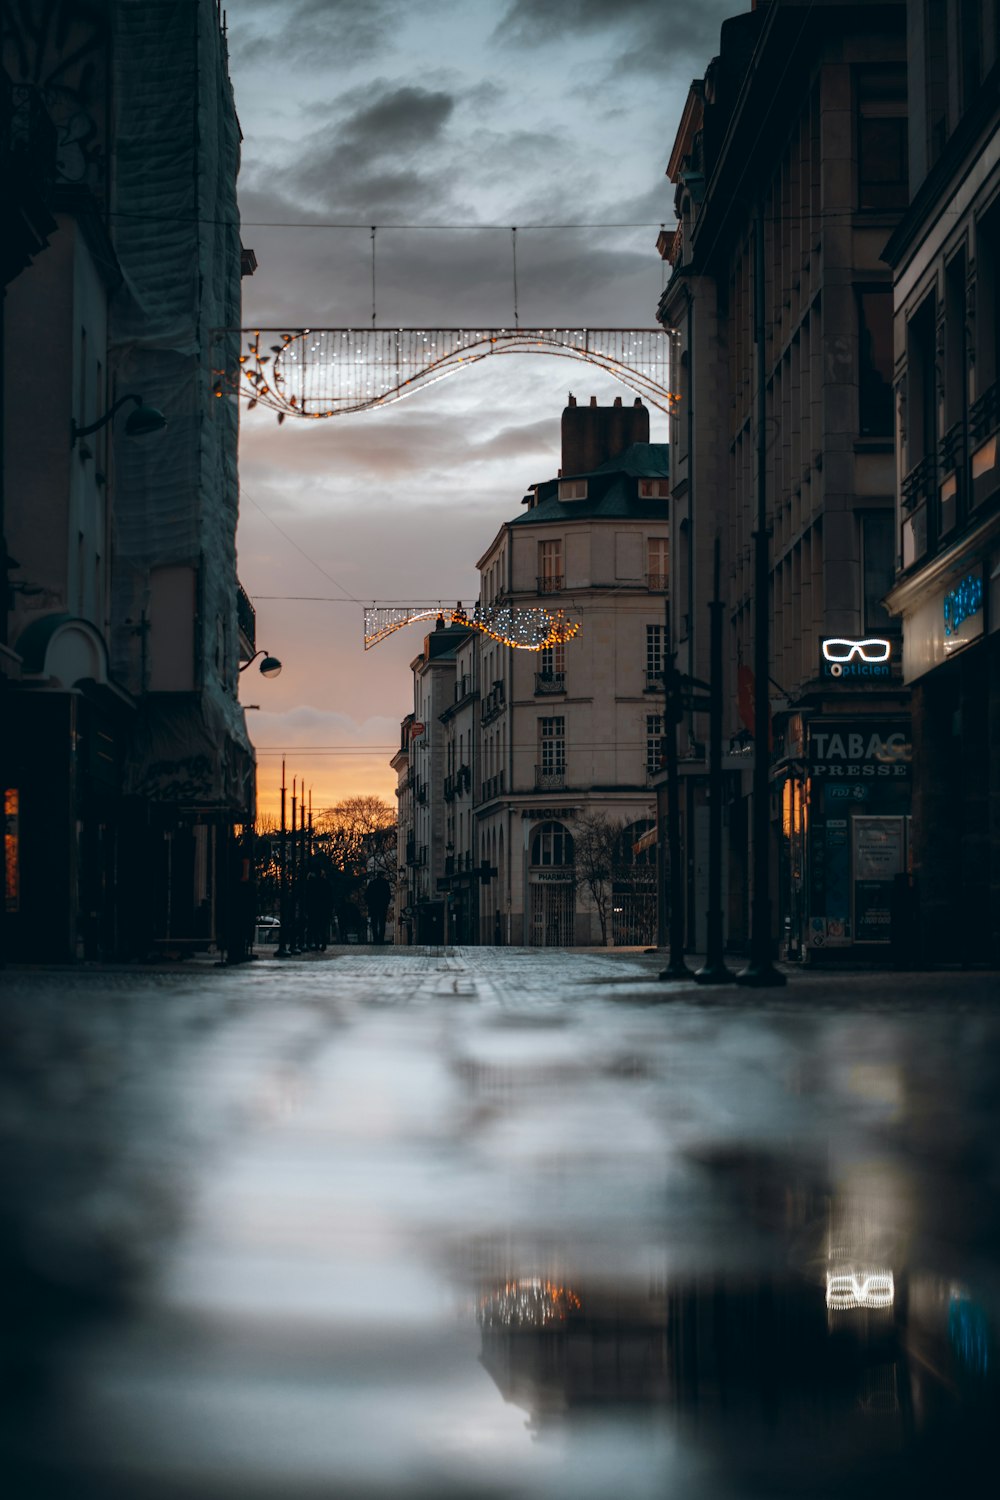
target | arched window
[{"x": 552, "y": 845}]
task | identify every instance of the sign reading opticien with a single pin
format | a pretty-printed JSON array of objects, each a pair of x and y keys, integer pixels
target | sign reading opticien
[{"x": 868, "y": 657}]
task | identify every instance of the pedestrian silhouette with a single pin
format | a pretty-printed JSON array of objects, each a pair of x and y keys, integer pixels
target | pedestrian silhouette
[{"x": 377, "y": 897}]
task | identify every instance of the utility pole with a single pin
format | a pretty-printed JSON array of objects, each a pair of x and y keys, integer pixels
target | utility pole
[
  {"x": 283, "y": 878},
  {"x": 714, "y": 970},
  {"x": 673, "y": 712},
  {"x": 760, "y": 971}
]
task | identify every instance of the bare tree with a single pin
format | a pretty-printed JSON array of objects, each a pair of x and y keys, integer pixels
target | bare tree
[
  {"x": 597, "y": 840},
  {"x": 359, "y": 836}
]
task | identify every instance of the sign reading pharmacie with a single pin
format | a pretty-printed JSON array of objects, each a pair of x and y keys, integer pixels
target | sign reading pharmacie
[{"x": 860, "y": 748}]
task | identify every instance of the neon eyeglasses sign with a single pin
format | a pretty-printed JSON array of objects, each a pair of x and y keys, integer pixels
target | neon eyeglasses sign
[{"x": 856, "y": 658}]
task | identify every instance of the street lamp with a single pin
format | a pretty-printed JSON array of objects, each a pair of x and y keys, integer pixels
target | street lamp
[
  {"x": 269, "y": 667},
  {"x": 139, "y": 423}
]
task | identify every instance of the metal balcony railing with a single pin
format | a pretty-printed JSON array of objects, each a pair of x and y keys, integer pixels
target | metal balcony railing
[
  {"x": 550, "y": 682},
  {"x": 657, "y": 583},
  {"x": 550, "y": 583},
  {"x": 492, "y": 787},
  {"x": 654, "y": 682},
  {"x": 550, "y": 778},
  {"x": 246, "y": 617}
]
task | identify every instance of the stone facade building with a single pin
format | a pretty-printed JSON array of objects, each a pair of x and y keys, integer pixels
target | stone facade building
[
  {"x": 945, "y": 258},
  {"x": 532, "y": 746},
  {"x": 124, "y": 758},
  {"x": 789, "y": 169}
]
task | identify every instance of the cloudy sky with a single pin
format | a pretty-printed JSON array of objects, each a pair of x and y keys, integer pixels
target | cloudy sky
[{"x": 444, "y": 123}]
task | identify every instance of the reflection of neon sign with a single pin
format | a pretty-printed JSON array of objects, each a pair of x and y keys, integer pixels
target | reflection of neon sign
[
  {"x": 965, "y": 600},
  {"x": 872, "y": 656},
  {"x": 850, "y": 1289}
]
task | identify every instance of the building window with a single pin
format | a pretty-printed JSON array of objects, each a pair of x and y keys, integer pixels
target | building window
[
  {"x": 552, "y": 845},
  {"x": 572, "y": 489},
  {"x": 550, "y": 567},
  {"x": 657, "y": 562},
  {"x": 878, "y": 564},
  {"x": 552, "y": 745},
  {"x": 551, "y": 678},
  {"x": 654, "y": 734},
  {"x": 654, "y": 489},
  {"x": 655, "y": 643},
  {"x": 552, "y": 660},
  {"x": 883, "y": 176},
  {"x": 875, "y": 413}
]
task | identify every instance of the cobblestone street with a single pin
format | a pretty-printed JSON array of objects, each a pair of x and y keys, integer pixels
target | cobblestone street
[{"x": 496, "y": 1222}]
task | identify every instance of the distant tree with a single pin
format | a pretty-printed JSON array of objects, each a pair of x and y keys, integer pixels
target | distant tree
[
  {"x": 359, "y": 837},
  {"x": 597, "y": 840}
]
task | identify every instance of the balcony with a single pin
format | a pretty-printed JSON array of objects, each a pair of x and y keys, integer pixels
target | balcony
[
  {"x": 654, "y": 682},
  {"x": 657, "y": 583},
  {"x": 550, "y": 682},
  {"x": 492, "y": 787},
  {"x": 246, "y": 620},
  {"x": 550, "y": 583},
  {"x": 449, "y": 788},
  {"x": 494, "y": 702},
  {"x": 550, "y": 779}
]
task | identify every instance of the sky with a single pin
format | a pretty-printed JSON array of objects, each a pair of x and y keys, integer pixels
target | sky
[{"x": 444, "y": 123}]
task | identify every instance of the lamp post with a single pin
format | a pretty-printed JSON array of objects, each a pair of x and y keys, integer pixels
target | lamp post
[
  {"x": 139, "y": 423},
  {"x": 269, "y": 667},
  {"x": 760, "y": 971}
]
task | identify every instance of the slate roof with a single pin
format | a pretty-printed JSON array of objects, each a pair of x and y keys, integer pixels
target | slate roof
[{"x": 611, "y": 490}]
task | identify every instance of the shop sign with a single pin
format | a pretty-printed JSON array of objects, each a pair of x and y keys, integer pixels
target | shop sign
[
  {"x": 943, "y": 625},
  {"x": 844, "y": 658},
  {"x": 962, "y": 608},
  {"x": 853, "y": 749}
]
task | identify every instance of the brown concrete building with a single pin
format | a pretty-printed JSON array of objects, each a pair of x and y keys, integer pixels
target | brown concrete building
[
  {"x": 790, "y": 173},
  {"x": 945, "y": 257}
]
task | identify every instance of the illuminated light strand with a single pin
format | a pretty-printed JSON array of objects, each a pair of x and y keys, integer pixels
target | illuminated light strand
[
  {"x": 521, "y": 629},
  {"x": 528, "y": 1302},
  {"x": 326, "y": 372}
]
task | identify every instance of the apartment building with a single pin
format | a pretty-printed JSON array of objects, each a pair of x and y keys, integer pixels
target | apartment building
[
  {"x": 945, "y": 260},
  {"x": 124, "y": 758},
  {"x": 790, "y": 173},
  {"x": 532, "y": 747}
]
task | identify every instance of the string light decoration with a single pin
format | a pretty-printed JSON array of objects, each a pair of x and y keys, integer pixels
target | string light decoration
[
  {"x": 317, "y": 373},
  {"x": 521, "y": 629},
  {"x": 529, "y": 1302}
]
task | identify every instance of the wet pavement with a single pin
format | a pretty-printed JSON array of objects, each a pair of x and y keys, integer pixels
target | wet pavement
[{"x": 496, "y": 1222}]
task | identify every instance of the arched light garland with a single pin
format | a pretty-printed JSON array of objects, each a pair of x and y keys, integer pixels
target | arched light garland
[
  {"x": 521, "y": 629},
  {"x": 529, "y": 1302},
  {"x": 328, "y": 372}
]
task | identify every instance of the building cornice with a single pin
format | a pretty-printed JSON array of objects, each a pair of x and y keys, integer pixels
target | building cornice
[{"x": 944, "y": 568}]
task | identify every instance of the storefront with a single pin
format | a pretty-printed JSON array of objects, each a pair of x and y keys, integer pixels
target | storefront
[{"x": 845, "y": 828}]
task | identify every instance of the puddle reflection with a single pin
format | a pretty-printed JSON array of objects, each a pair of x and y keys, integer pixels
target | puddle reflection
[{"x": 871, "y": 1378}]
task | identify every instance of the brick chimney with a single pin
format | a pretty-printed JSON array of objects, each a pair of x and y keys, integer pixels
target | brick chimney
[{"x": 593, "y": 434}]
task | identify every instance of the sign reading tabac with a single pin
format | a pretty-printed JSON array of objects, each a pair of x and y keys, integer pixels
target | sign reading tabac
[{"x": 865, "y": 748}]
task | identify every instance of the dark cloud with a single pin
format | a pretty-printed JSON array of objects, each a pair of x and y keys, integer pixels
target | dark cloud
[
  {"x": 312, "y": 34},
  {"x": 646, "y": 35}
]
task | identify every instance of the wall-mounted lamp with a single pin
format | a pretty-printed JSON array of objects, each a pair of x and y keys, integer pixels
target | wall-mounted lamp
[
  {"x": 140, "y": 423},
  {"x": 269, "y": 667}
]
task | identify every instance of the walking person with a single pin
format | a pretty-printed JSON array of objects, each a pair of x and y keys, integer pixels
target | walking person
[{"x": 377, "y": 897}]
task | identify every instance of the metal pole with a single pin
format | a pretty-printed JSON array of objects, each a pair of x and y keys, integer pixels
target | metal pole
[
  {"x": 283, "y": 879},
  {"x": 293, "y": 946},
  {"x": 714, "y": 970},
  {"x": 760, "y": 971},
  {"x": 676, "y": 968}
]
